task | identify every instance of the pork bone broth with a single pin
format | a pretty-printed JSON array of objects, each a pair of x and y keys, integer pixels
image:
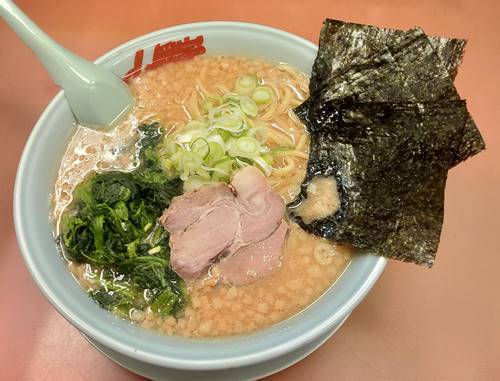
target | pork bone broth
[{"x": 175, "y": 95}]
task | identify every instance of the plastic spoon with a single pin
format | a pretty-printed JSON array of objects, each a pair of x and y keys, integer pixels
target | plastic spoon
[{"x": 96, "y": 96}]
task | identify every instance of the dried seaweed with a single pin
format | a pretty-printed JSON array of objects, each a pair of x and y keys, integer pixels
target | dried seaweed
[
  {"x": 425, "y": 61},
  {"x": 368, "y": 63},
  {"x": 355, "y": 61},
  {"x": 450, "y": 51},
  {"x": 425, "y": 74},
  {"x": 387, "y": 123}
]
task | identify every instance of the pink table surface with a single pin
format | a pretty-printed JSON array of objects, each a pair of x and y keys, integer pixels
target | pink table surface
[{"x": 416, "y": 324}]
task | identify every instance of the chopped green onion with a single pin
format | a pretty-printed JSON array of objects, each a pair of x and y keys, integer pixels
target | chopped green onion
[
  {"x": 193, "y": 182},
  {"x": 176, "y": 157},
  {"x": 184, "y": 138},
  {"x": 268, "y": 158},
  {"x": 250, "y": 123},
  {"x": 245, "y": 84},
  {"x": 211, "y": 102},
  {"x": 203, "y": 173},
  {"x": 230, "y": 142},
  {"x": 236, "y": 129},
  {"x": 167, "y": 163},
  {"x": 245, "y": 147},
  {"x": 223, "y": 139},
  {"x": 216, "y": 152},
  {"x": 216, "y": 137},
  {"x": 266, "y": 168},
  {"x": 225, "y": 165},
  {"x": 249, "y": 106},
  {"x": 228, "y": 113},
  {"x": 225, "y": 135},
  {"x": 262, "y": 95},
  {"x": 228, "y": 121},
  {"x": 194, "y": 125},
  {"x": 258, "y": 132},
  {"x": 241, "y": 162},
  {"x": 190, "y": 160},
  {"x": 168, "y": 147},
  {"x": 222, "y": 170},
  {"x": 232, "y": 98},
  {"x": 200, "y": 147}
]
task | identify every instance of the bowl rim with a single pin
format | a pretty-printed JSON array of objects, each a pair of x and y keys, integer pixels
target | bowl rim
[{"x": 120, "y": 346}]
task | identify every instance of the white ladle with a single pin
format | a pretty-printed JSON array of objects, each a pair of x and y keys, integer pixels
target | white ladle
[{"x": 96, "y": 96}]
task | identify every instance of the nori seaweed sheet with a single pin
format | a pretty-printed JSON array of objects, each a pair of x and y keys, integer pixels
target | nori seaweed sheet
[
  {"x": 368, "y": 63},
  {"x": 387, "y": 123},
  {"x": 390, "y": 179},
  {"x": 450, "y": 51},
  {"x": 431, "y": 62}
]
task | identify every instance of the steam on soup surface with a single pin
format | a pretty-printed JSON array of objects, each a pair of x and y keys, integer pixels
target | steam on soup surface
[{"x": 176, "y": 96}]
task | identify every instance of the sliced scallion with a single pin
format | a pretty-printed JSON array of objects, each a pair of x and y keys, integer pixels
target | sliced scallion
[
  {"x": 203, "y": 173},
  {"x": 266, "y": 168},
  {"x": 200, "y": 147},
  {"x": 268, "y": 158},
  {"x": 262, "y": 95},
  {"x": 184, "y": 138},
  {"x": 211, "y": 102},
  {"x": 216, "y": 152},
  {"x": 225, "y": 138},
  {"x": 190, "y": 162},
  {"x": 245, "y": 84},
  {"x": 245, "y": 147},
  {"x": 193, "y": 182},
  {"x": 195, "y": 125},
  {"x": 249, "y": 106}
]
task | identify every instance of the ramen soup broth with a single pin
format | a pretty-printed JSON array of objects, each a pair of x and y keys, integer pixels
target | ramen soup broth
[{"x": 172, "y": 94}]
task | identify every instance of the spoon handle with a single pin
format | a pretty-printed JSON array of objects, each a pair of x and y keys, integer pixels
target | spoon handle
[
  {"x": 56, "y": 59},
  {"x": 96, "y": 96}
]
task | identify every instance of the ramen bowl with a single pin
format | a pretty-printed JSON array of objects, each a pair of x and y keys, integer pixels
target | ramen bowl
[{"x": 151, "y": 354}]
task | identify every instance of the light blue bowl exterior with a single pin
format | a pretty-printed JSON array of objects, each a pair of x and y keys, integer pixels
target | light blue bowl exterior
[{"x": 34, "y": 182}]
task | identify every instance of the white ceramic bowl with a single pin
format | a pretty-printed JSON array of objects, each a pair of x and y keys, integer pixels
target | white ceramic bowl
[{"x": 247, "y": 356}]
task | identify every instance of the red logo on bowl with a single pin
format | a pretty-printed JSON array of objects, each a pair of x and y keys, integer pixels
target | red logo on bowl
[{"x": 172, "y": 51}]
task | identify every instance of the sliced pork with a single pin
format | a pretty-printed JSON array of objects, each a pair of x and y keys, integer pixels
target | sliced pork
[
  {"x": 261, "y": 208},
  {"x": 188, "y": 208},
  {"x": 197, "y": 246},
  {"x": 256, "y": 260},
  {"x": 223, "y": 220}
]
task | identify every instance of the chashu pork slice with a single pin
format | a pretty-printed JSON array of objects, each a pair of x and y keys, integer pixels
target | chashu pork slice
[
  {"x": 256, "y": 260},
  {"x": 220, "y": 220},
  {"x": 189, "y": 207},
  {"x": 261, "y": 209},
  {"x": 193, "y": 249}
]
